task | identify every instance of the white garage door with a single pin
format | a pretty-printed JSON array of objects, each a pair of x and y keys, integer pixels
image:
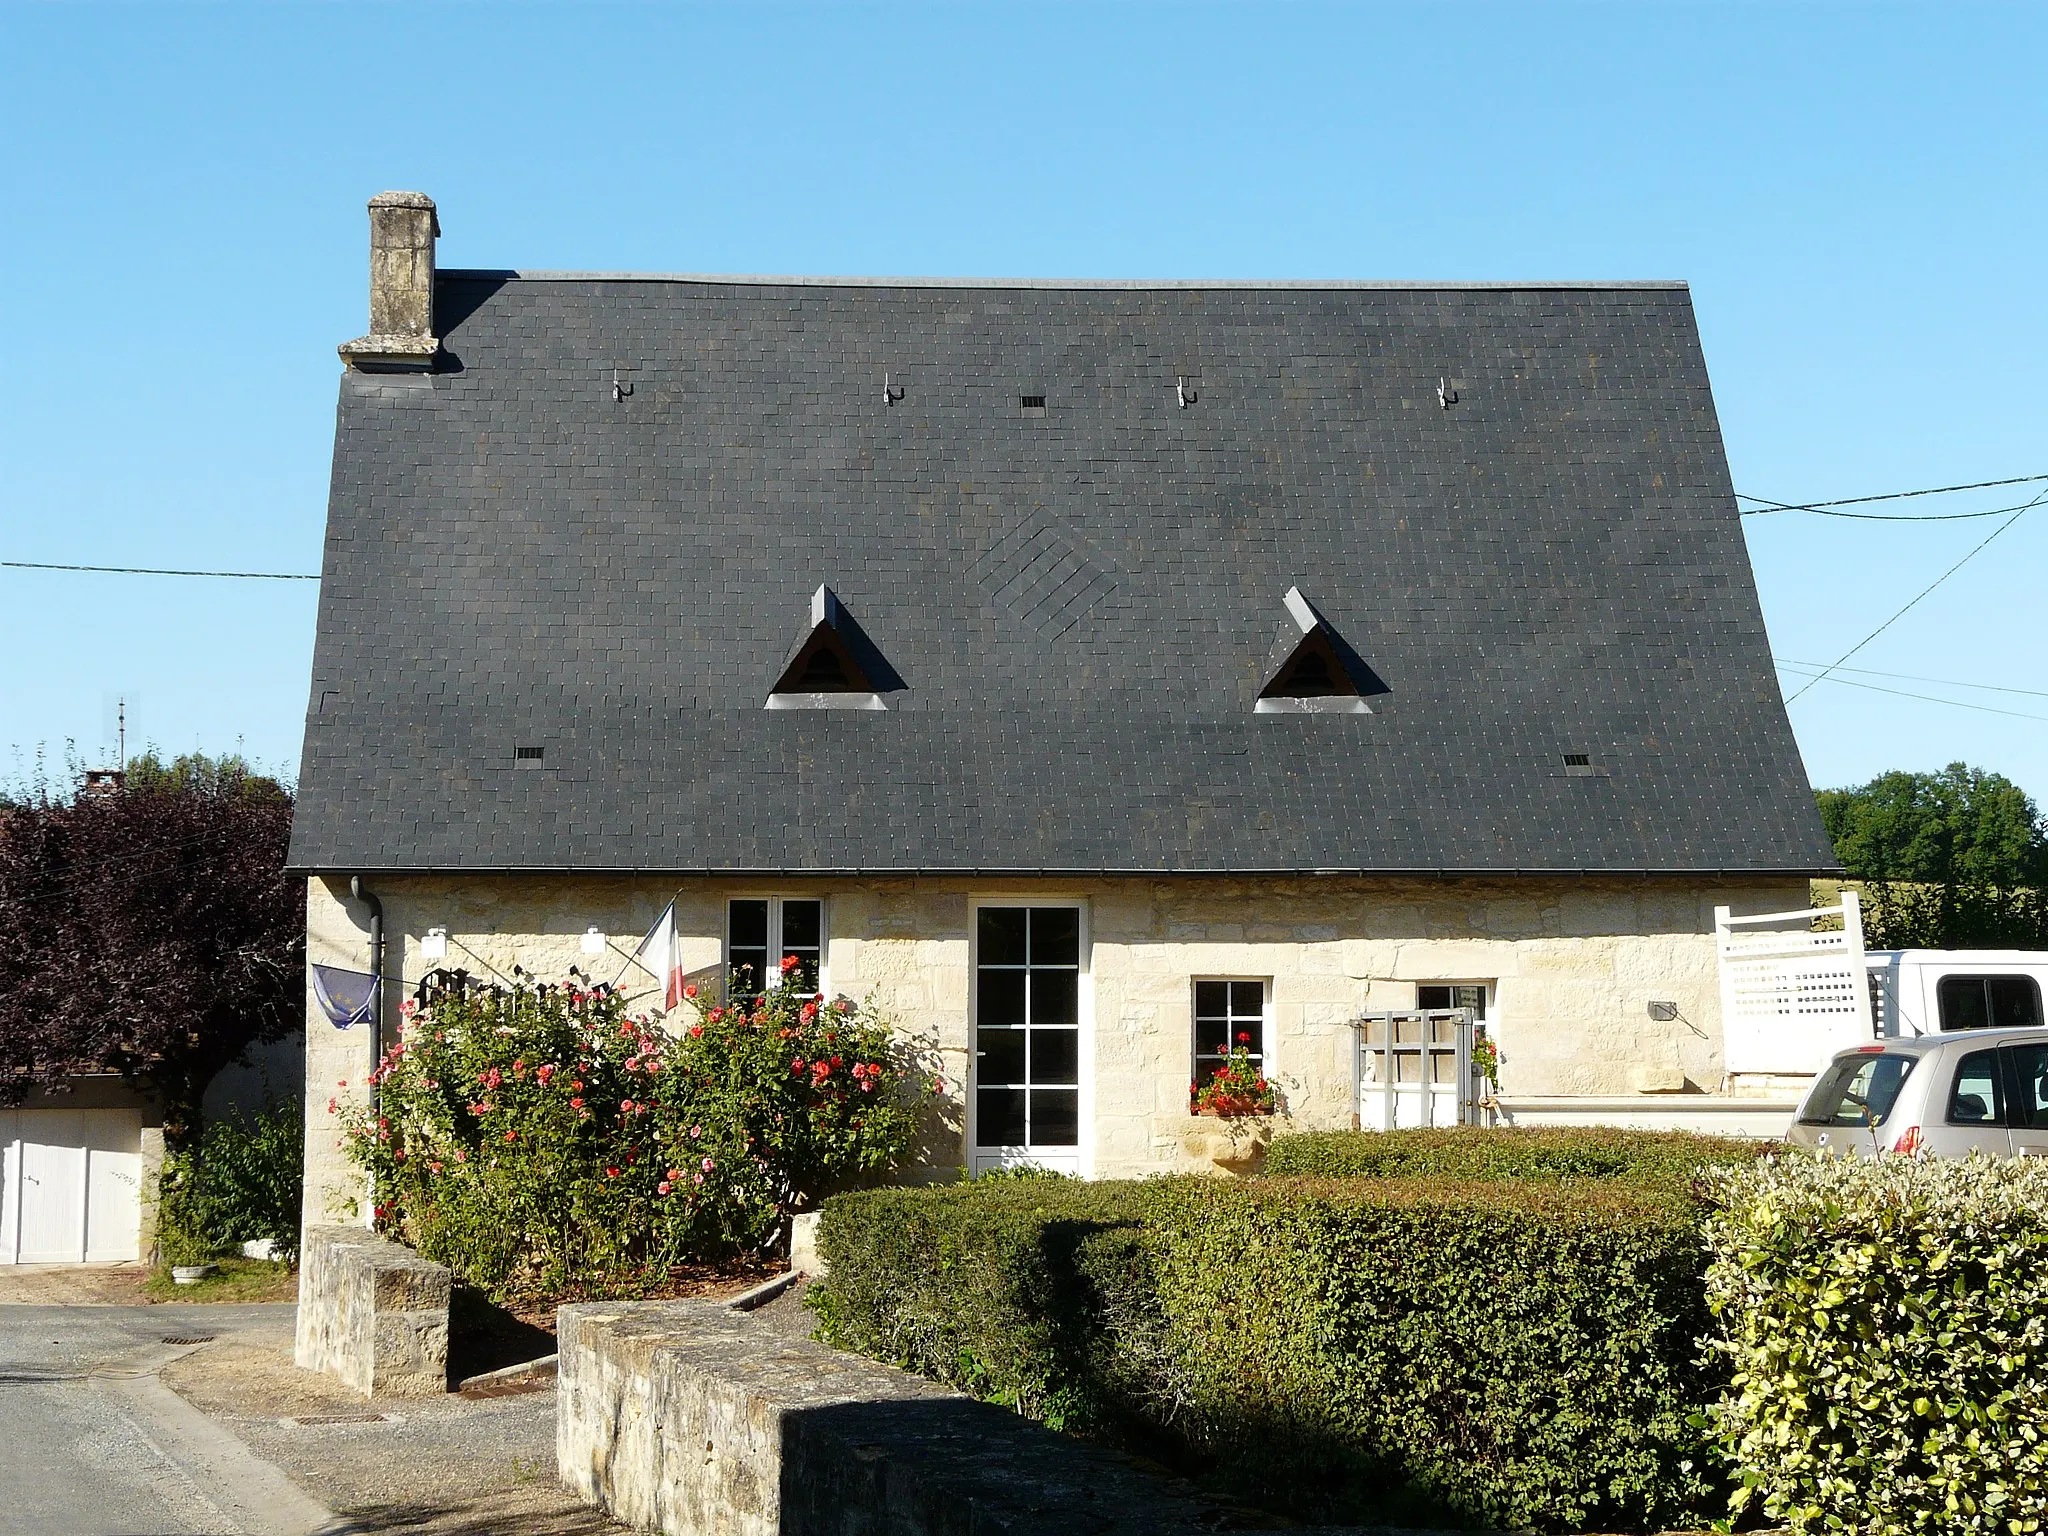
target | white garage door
[{"x": 70, "y": 1185}]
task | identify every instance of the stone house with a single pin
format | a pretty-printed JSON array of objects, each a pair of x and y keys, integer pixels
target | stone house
[{"x": 1085, "y": 672}]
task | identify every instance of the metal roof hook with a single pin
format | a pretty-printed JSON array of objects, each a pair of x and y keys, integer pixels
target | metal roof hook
[
  {"x": 891, "y": 393},
  {"x": 1445, "y": 395},
  {"x": 620, "y": 387},
  {"x": 1182, "y": 393}
]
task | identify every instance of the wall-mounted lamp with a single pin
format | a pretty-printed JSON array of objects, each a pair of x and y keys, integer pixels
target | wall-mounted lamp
[
  {"x": 435, "y": 945},
  {"x": 593, "y": 940}
]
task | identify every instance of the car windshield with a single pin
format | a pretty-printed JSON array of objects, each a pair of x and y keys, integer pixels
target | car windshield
[{"x": 1858, "y": 1090}]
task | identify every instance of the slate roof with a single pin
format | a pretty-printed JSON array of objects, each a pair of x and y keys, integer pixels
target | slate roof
[{"x": 1082, "y": 605}]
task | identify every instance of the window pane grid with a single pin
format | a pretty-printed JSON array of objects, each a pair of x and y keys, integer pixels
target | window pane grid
[
  {"x": 1027, "y": 1027},
  {"x": 760, "y": 931},
  {"x": 1224, "y": 1012}
]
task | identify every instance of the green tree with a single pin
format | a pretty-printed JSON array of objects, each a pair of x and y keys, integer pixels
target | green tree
[
  {"x": 1959, "y": 827},
  {"x": 1949, "y": 860}
]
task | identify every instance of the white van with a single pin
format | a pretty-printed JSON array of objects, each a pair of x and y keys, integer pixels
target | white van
[{"x": 1939, "y": 991}]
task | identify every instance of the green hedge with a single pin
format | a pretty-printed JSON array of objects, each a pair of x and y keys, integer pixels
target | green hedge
[
  {"x": 1887, "y": 1324},
  {"x": 1472, "y": 1351},
  {"x": 1560, "y": 1152}
]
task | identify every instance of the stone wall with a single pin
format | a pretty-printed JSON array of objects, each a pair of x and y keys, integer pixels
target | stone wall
[
  {"x": 372, "y": 1314},
  {"x": 1574, "y": 962},
  {"x": 686, "y": 1417}
]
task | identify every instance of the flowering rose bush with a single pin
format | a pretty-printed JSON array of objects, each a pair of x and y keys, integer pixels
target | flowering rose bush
[
  {"x": 543, "y": 1138},
  {"x": 1235, "y": 1090}
]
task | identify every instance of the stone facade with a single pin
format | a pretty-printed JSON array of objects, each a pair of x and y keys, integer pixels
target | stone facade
[
  {"x": 372, "y": 1314},
  {"x": 1572, "y": 966}
]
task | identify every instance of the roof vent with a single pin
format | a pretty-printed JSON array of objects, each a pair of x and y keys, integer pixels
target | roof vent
[
  {"x": 833, "y": 664},
  {"x": 1312, "y": 670},
  {"x": 528, "y": 757},
  {"x": 1580, "y": 765},
  {"x": 1031, "y": 405}
]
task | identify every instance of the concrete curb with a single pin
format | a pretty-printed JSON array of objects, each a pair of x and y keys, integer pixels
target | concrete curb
[{"x": 261, "y": 1500}]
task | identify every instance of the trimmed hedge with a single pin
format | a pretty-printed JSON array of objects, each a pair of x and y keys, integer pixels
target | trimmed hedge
[
  {"x": 1541, "y": 1152},
  {"x": 1519, "y": 1354},
  {"x": 1887, "y": 1323}
]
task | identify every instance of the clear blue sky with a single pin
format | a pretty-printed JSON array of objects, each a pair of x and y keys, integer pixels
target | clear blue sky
[{"x": 1855, "y": 193}]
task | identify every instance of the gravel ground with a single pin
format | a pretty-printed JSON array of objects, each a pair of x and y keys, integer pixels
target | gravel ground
[
  {"x": 444, "y": 1466},
  {"x": 72, "y": 1285}
]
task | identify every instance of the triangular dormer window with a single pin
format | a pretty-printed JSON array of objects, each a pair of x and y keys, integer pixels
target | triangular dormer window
[
  {"x": 1312, "y": 671},
  {"x": 832, "y": 665}
]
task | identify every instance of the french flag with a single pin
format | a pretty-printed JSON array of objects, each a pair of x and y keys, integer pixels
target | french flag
[{"x": 662, "y": 957}]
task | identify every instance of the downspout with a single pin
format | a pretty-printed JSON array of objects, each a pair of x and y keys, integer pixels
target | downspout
[{"x": 355, "y": 889}]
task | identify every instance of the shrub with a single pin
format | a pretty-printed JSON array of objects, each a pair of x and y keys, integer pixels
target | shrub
[
  {"x": 240, "y": 1182},
  {"x": 1399, "y": 1350},
  {"x": 1887, "y": 1325},
  {"x": 1563, "y": 1152},
  {"x": 539, "y": 1138}
]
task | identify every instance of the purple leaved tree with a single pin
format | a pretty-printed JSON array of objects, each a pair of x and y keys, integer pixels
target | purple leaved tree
[{"x": 148, "y": 930}]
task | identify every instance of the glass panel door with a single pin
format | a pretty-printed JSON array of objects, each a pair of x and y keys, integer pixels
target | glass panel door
[{"x": 1027, "y": 1037}]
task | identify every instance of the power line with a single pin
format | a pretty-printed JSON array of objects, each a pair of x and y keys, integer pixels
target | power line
[
  {"x": 1765, "y": 506},
  {"x": 1879, "y": 517},
  {"x": 1909, "y": 677},
  {"x": 1901, "y": 693},
  {"x": 1857, "y": 501},
  {"x": 140, "y": 570},
  {"x": 1944, "y": 576}
]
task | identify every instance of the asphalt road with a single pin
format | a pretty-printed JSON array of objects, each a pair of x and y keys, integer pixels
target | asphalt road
[{"x": 92, "y": 1444}]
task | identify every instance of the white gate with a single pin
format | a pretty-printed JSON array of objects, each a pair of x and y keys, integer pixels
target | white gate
[
  {"x": 1415, "y": 1070},
  {"x": 70, "y": 1185},
  {"x": 1791, "y": 994}
]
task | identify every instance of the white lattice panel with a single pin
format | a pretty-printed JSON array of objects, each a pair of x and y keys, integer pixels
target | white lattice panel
[{"x": 1791, "y": 995}]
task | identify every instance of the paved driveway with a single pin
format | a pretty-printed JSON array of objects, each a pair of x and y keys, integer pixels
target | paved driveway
[{"x": 92, "y": 1444}]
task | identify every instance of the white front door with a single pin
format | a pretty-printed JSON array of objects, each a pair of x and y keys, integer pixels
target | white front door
[
  {"x": 1028, "y": 1056},
  {"x": 70, "y": 1185}
]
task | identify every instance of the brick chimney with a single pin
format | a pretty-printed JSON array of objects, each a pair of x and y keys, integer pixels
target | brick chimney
[{"x": 403, "y": 228}]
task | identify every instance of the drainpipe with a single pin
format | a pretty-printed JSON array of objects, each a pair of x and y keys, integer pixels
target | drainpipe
[{"x": 355, "y": 889}]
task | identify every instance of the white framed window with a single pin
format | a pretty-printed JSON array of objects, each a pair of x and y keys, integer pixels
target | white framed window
[
  {"x": 1029, "y": 1092},
  {"x": 1230, "y": 1012},
  {"x": 761, "y": 930}
]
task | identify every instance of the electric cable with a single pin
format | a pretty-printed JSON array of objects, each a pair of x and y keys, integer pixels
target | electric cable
[
  {"x": 1880, "y": 517},
  {"x": 1944, "y": 576},
  {"x": 1911, "y": 677},
  {"x": 145, "y": 570},
  {"x": 1901, "y": 693},
  {"x": 1857, "y": 501}
]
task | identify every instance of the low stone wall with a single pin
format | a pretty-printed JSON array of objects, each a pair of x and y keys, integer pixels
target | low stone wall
[
  {"x": 372, "y": 1313},
  {"x": 688, "y": 1416}
]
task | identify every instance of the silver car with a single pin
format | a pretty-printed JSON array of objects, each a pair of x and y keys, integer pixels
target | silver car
[{"x": 1947, "y": 1095}]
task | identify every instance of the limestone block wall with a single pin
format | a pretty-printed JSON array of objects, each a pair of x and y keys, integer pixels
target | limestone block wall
[
  {"x": 687, "y": 1417},
  {"x": 1574, "y": 964},
  {"x": 372, "y": 1314}
]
